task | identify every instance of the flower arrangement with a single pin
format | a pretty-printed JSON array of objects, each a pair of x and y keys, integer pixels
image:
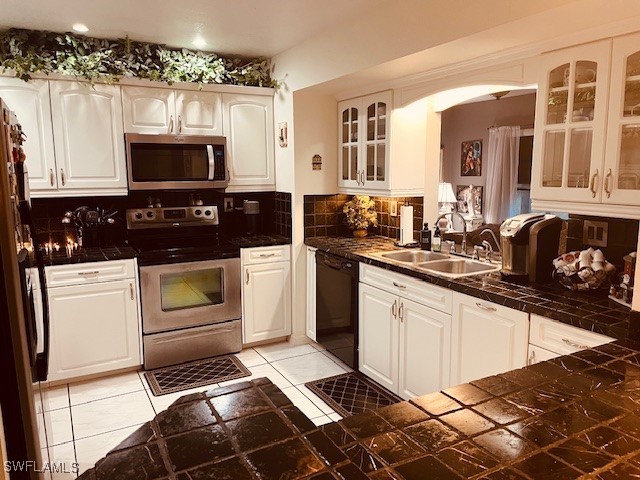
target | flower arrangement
[{"x": 361, "y": 212}]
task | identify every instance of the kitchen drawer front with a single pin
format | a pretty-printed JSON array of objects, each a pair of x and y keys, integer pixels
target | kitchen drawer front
[
  {"x": 92, "y": 272},
  {"x": 277, "y": 253},
  {"x": 562, "y": 338},
  {"x": 410, "y": 288}
]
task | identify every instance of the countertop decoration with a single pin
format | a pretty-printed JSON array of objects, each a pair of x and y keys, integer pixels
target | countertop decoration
[
  {"x": 29, "y": 52},
  {"x": 361, "y": 212}
]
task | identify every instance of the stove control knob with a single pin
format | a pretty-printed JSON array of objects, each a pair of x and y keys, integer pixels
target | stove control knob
[
  {"x": 150, "y": 214},
  {"x": 207, "y": 213},
  {"x": 198, "y": 212},
  {"x": 138, "y": 215}
]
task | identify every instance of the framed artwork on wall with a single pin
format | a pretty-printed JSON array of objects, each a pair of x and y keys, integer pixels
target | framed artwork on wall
[
  {"x": 469, "y": 199},
  {"x": 471, "y": 159}
]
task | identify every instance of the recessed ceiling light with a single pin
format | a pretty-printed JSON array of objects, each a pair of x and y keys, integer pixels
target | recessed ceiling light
[
  {"x": 199, "y": 42},
  {"x": 80, "y": 27}
]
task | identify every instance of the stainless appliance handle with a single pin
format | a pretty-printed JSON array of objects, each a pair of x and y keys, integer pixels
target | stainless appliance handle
[
  {"x": 171, "y": 123},
  {"x": 485, "y": 308},
  {"x": 179, "y": 123},
  {"x": 573, "y": 344},
  {"x": 606, "y": 184},
  {"x": 64, "y": 181},
  {"x": 592, "y": 184},
  {"x": 51, "y": 178},
  {"x": 212, "y": 162}
]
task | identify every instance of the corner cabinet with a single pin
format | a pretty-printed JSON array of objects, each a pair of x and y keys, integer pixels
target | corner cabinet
[
  {"x": 266, "y": 293},
  {"x": 366, "y": 160},
  {"x": 248, "y": 126}
]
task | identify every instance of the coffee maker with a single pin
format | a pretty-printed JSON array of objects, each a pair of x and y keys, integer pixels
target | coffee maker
[{"x": 529, "y": 243}]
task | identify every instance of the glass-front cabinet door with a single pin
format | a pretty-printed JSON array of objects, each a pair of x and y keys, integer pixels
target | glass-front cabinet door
[
  {"x": 377, "y": 111},
  {"x": 622, "y": 160},
  {"x": 349, "y": 133},
  {"x": 570, "y": 124}
]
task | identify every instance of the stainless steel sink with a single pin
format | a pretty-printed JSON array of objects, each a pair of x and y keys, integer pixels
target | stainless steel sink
[
  {"x": 458, "y": 267},
  {"x": 414, "y": 256}
]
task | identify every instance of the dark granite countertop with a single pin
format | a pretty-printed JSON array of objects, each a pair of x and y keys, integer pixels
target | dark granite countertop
[
  {"x": 90, "y": 254},
  {"x": 591, "y": 311},
  {"x": 576, "y": 416},
  {"x": 250, "y": 241}
]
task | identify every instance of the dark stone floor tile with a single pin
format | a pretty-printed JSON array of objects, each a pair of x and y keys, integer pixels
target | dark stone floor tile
[
  {"x": 144, "y": 434},
  {"x": 291, "y": 459},
  {"x": 140, "y": 462},
  {"x": 536, "y": 431},
  {"x": 581, "y": 455},
  {"x": 361, "y": 458},
  {"x": 323, "y": 476},
  {"x": 617, "y": 398},
  {"x": 501, "y": 411},
  {"x": 325, "y": 448},
  {"x": 602, "y": 377},
  {"x": 467, "y": 394},
  {"x": 394, "y": 447},
  {"x": 299, "y": 419},
  {"x": 467, "y": 421},
  {"x": 626, "y": 369},
  {"x": 402, "y": 414},
  {"x": 548, "y": 370},
  {"x": 185, "y": 417},
  {"x": 426, "y": 467},
  {"x": 504, "y": 445},
  {"x": 596, "y": 409},
  {"x": 622, "y": 471},
  {"x": 543, "y": 466},
  {"x": 467, "y": 459},
  {"x": 239, "y": 404},
  {"x": 192, "y": 397},
  {"x": 432, "y": 435},
  {"x": 496, "y": 385},
  {"x": 198, "y": 446},
  {"x": 436, "y": 403},
  {"x": 351, "y": 472},
  {"x": 278, "y": 398},
  {"x": 610, "y": 440},
  {"x": 259, "y": 430},
  {"x": 230, "y": 469},
  {"x": 234, "y": 387},
  {"x": 337, "y": 434},
  {"x": 366, "y": 425}
]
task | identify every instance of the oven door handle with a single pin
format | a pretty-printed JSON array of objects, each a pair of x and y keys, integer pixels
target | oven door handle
[{"x": 212, "y": 162}]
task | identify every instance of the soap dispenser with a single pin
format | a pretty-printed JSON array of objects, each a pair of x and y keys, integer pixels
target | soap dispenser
[
  {"x": 425, "y": 237},
  {"x": 437, "y": 241}
]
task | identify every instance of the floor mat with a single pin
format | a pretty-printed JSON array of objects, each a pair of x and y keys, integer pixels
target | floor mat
[
  {"x": 195, "y": 374},
  {"x": 352, "y": 393}
]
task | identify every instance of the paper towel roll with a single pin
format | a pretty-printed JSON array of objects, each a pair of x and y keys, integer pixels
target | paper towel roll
[{"x": 406, "y": 225}]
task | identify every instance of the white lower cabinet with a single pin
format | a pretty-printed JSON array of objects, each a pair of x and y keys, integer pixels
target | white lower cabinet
[
  {"x": 403, "y": 345},
  {"x": 266, "y": 294},
  {"x": 487, "y": 339},
  {"x": 94, "y": 327}
]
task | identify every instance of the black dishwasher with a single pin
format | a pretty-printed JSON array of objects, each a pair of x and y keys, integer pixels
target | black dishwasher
[{"x": 337, "y": 306}]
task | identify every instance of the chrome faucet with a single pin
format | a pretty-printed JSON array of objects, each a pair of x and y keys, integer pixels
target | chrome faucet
[
  {"x": 493, "y": 235},
  {"x": 463, "y": 247},
  {"x": 487, "y": 246}
]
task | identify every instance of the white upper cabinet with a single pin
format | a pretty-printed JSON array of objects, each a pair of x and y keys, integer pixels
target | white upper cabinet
[
  {"x": 89, "y": 146},
  {"x": 248, "y": 126},
  {"x": 30, "y": 102},
  {"x": 168, "y": 111}
]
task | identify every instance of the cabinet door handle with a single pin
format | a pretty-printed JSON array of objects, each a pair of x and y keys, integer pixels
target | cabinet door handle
[
  {"x": 362, "y": 177},
  {"x": 179, "y": 123},
  {"x": 131, "y": 291},
  {"x": 532, "y": 358},
  {"x": 485, "y": 307},
  {"x": 592, "y": 184},
  {"x": 395, "y": 284},
  {"x": 401, "y": 311},
  {"x": 606, "y": 184},
  {"x": 89, "y": 274},
  {"x": 573, "y": 344},
  {"x": 64, "y": 181},
  {"x": 394, "y": 309},
  {"x": 170, "y": 123},
  {"x": 248, "y": 276},
  {"x": 51, "y": 179}
]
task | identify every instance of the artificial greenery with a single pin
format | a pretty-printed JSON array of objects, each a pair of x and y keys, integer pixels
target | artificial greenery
[
  {"x": 33, "y": 52},
  {"x": 360, "y": 212}
]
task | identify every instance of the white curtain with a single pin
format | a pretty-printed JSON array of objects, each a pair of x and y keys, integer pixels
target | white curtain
[{"x": 502, "y": 172}]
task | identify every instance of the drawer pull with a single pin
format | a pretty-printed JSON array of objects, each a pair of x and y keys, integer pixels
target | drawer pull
[
  {"x": 394, "y": 309},
  {"x": 267, "y": 255},
  {"x": 131, "y": 290},
  {"x": 399, "y": 285},
  {"x": 573, "y": 344},
  {"x": 89, "y": 274},
  {"x": 486, "y": 308}
]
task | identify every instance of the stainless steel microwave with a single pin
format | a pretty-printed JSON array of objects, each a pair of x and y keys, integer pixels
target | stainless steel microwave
[{"x": 176, "y": 162}]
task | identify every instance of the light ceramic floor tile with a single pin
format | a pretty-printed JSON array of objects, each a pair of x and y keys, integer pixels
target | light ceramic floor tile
[
  {"x": 265, "y": 370},
  {"x": 143, "y": 380},
  {"x": 279, "y": 351},
  {"x": 250, "y": 358},
  {"x": 163, "y": 402},
  {"x": 91, "y": 449},
  {"x": 334, "y": 417},
  {"x": 306, "y": 368},
  {"x": 321, "y": 420},
  {"x": 326, "y": 409},
  {"x": 42, "y": 430},
  {"x": 317, "y": 346},
  {"x": 55, "y": 398},
  {"x": 104, "y": 387},
  {"x": 305, "y": 405},
  {"x": 58, "y": 425},
  {"x": 337, "y": 361},
  {"x": 63, "y": 456},
  {"x": 111, "y": 413}
]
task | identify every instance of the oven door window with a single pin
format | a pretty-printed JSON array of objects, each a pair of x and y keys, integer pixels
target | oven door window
[
  {"x": 153, "y": 162},
  {"x": 198, "y": 288}
]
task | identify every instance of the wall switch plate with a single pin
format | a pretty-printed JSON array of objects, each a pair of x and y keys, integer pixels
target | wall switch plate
[
  {"x": 228, "y": 204},
  {"x": 594, "y": 233},
  {"x": 393, "y": 209}
]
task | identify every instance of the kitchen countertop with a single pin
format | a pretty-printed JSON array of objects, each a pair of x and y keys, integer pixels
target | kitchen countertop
[
  {"x": 577, "y": 416},
  {"x": 90, "y": 254},
  {"x": 591, "y": 311}
]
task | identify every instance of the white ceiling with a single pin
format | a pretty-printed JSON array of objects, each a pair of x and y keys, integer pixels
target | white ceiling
[{"x": 241, "y": 27}]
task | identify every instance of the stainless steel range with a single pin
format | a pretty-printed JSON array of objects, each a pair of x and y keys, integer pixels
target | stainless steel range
[{"x": 190, "y": 285}]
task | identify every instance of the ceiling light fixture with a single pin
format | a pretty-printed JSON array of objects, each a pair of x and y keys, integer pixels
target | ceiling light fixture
[
  {"x": 199, "y": 42},
  {"x": 499, "y": 95},
  {"x": 80, "y": 27}
]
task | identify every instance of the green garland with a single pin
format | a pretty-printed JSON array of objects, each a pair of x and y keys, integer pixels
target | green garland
[{"x": 33, "y": 52}]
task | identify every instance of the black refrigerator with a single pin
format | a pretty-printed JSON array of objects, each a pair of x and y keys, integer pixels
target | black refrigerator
[{"x": 24, "y": 326}]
